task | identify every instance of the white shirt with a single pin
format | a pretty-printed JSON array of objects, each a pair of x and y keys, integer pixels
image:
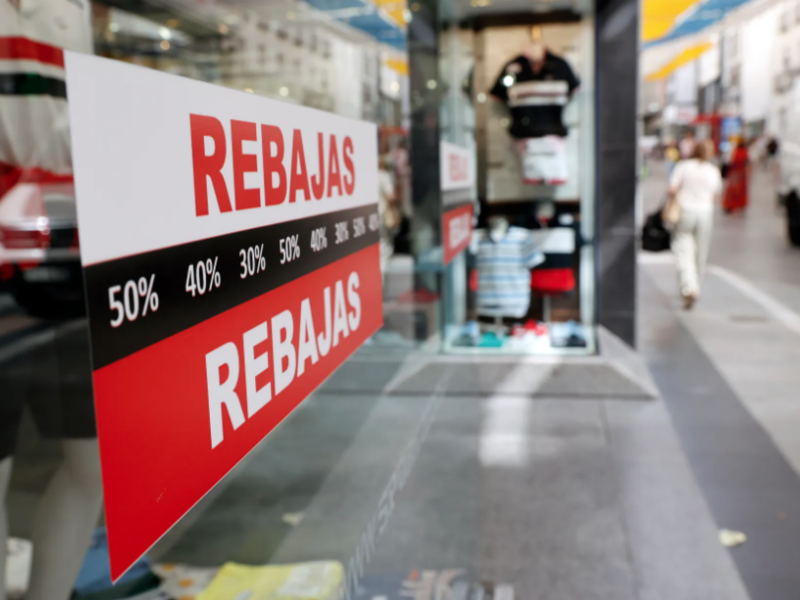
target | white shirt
[
  {"x": 385, "y": 189},
  {"x": 697, "y": 183},
  {"x": 686, "y": 147},
  {"x": 34, "y": 126}
]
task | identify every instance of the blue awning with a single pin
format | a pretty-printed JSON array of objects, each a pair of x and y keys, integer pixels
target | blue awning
[
  {"x": 697, "y": 18},
  {"x": 365, "y": 16}
]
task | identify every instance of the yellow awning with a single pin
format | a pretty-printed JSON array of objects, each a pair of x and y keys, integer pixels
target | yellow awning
[
  {"x": 658, "y": 16},
  {"x": 401, "y": 66},
  {"x": 395, "y": 9},
  {"x": 683, "y": 58}
]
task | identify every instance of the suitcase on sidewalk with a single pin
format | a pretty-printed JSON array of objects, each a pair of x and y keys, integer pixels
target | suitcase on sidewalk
[{"x": 655, "y": 237}]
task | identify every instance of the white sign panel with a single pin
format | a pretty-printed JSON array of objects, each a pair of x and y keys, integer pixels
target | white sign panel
[{"x": 457, "y": 167}]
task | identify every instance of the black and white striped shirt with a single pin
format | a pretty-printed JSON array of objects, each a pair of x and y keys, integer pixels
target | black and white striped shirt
[{"x": 536, "y": 99}]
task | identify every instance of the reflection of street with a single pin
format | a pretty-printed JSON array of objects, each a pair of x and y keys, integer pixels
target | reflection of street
[
  {"x": 46, "y": 395},
  {"x": 21, "y": 333}
]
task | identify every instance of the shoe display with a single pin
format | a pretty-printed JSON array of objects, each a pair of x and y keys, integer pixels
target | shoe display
[
  {"x": 490, "y": 339},
  {"x": 567, "y": 335}
]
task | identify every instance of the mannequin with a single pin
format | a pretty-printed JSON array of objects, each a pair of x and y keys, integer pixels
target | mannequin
[
  {"x": 535, "y": 86},
  {"x": 505, "y": 255},
  {"x": 535, "y": 50},
  {"x": 54, "y": 382},
  {"x": 65, "y": 519},
  {"x": 498, "y": 227},
  {"x": 37, "y": 149}
]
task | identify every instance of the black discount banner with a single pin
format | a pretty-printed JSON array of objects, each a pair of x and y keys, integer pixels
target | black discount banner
[{"x": 148, "y": 297}]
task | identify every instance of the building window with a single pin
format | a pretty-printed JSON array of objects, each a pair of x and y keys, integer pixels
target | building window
[{"x": 734, "y": 44}]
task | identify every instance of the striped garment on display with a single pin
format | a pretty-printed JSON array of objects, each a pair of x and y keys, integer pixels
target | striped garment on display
[{"x": 504, "y": 266}]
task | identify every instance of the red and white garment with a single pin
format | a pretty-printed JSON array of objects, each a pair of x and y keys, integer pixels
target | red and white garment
[
  {"x": 556, "y": 275},
  {"x": 544, "y": 160},
  {"x": 34, "y": 124}
]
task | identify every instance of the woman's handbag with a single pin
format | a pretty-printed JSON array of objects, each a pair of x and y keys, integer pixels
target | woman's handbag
[
  {"x": 655, "y": 237},
  {"x": 671, "y": 213}
]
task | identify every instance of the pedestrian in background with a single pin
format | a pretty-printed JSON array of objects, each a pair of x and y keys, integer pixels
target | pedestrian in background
[
  {"x": 737, "y": 190},
  {"x": 772, "y": 149},
  {"x": 389, "y": 212},
  {"x": 773, "y": 164},
  {"x": 672, "y": 155},
  {"x": 687, "y": 145},
  {"x": 695, "y": 184}
]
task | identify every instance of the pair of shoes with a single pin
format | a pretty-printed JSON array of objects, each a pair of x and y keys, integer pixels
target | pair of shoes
[
  {"x": 688, "y": 301},
  {"x": 468, "y": 334}
]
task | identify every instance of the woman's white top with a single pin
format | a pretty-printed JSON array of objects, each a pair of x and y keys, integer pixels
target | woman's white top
[{"x": 697, "y": 183}]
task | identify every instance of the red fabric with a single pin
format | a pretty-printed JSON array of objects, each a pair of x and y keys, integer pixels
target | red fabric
[
  {"x": 542, "y": 181},
  {"x": 536, "y": 327},
  {"x": 6, "y": 271},
  {"x": 550, "y": 282},
  {"x": 11, "y": 175},
  {"x": 419, "y": 296},
  {"x": 473, "y": 280},
  {"x": 149, "y": 484},
  {"x": 737, "y": 189},
  {"x": 21, "y": 48}
]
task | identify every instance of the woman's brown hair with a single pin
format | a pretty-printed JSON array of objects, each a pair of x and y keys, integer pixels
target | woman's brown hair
[{"x": 703, "y": 150}]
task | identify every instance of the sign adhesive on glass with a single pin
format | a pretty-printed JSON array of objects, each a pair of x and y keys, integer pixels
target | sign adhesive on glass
[
  {"x": 457, "y": 176},
  {"x": 231, "y": 263}
]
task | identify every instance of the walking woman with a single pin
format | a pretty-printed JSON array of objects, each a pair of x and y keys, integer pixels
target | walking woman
[
  {"x": 738, "y": 178},
  {"x": 696, "y": 184}
]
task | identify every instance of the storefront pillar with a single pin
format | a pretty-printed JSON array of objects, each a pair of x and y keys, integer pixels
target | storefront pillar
[
  {"x": 617, "y": 76},
  {"x": 425, "y": 93}
]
